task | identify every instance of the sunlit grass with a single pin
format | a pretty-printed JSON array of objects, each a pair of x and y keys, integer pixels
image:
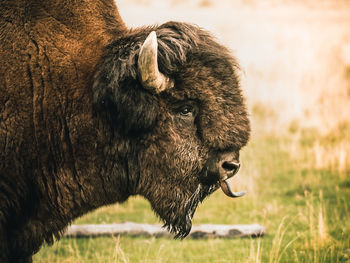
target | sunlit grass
[{"x": 306, "y": 211}]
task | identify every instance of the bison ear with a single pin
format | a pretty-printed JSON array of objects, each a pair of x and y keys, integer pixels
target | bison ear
[{"x": 118, "y": 94}]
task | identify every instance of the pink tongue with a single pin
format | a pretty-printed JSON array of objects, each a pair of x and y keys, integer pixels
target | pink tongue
[{"x": 227, "y": 190}]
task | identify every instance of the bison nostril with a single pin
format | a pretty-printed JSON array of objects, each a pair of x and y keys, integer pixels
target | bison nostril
[{"x": 231, "y": 166}]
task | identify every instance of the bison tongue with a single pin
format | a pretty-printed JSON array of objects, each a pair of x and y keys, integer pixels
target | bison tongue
[{"x": 227, "y": 190}]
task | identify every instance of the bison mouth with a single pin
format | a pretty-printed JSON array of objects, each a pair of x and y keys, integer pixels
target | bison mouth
[
  {"x": 183, "y": 224},
  {"x": 225, "y": 187}
]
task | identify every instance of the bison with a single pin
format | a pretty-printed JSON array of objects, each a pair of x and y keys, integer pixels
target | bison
[{"x": 93, "y": 112}]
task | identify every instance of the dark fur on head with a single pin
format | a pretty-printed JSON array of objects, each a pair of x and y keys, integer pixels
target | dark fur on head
[
  {"x": 117, "y": 88},
  {"x": 173, "y": 151}
]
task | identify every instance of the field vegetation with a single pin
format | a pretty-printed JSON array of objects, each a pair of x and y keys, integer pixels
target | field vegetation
[
  {"x": 306, "y": 211},
  {"x": 295, "y": 58}
]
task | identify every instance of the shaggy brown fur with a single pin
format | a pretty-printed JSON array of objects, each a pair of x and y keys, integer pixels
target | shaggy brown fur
[{"x": 78, "y": 130}]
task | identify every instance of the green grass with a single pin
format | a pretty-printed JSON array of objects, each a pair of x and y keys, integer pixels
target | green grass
[{"x": 306, "y": 212}]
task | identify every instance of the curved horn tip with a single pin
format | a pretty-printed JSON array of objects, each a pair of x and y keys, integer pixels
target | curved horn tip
[
  {"x": 150, "y": 44},
  {"x": 151, "y": 39},
  {"x": 149, "y": 73}
]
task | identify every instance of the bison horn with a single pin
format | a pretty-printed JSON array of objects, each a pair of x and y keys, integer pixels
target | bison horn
[{"x": 150, "y": 76}]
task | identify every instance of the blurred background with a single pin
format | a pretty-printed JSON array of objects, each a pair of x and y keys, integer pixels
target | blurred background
[{"x": 295, "y": 60}]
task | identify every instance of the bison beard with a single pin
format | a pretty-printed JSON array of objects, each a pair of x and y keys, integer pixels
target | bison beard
[
  {"x": 92, "y": 112},
  {"x": 181, "y": 226}
]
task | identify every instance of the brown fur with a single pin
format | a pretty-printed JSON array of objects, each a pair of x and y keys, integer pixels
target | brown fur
[{"x": 78, "y": 130}]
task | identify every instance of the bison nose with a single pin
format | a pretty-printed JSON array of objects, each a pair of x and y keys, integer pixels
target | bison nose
[
  {"x": 230, "y": 167},
  {"x": 221, "y": 166}
]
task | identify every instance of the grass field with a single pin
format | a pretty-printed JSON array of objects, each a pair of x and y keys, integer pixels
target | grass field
[
  {"x": 306, "y": 212},
  {"x": 296, "y": 168}
]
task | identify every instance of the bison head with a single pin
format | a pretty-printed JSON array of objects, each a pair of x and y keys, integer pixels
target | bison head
[{"x": 171, "y": 98}]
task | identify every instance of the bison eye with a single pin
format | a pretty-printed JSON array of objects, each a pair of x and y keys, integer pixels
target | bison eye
[{"x": 186, "y": 110}]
